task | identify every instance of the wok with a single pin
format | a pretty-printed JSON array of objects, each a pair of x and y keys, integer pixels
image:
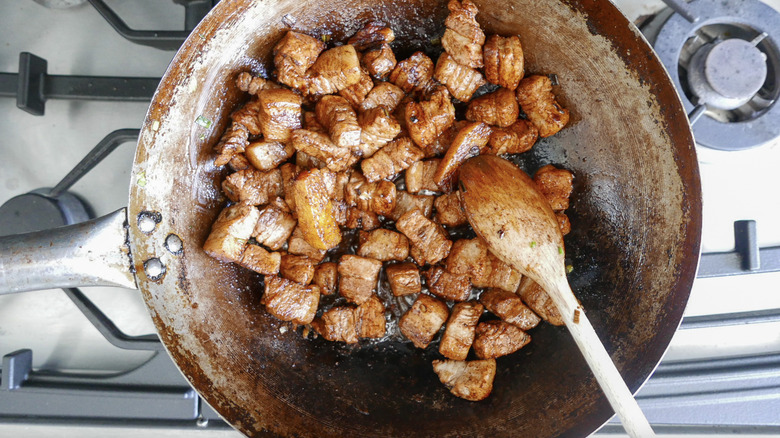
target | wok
[{"x": 636, "y": 215}]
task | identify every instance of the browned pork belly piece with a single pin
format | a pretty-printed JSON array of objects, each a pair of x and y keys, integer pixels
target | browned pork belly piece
[
  {"x": 248, "y": 115},
  {"x": 358, "y": 219},
  {"x": 275, "y": 225},
  {"x": 498, "y": 338},
  {"x": 391, "y": 160},
  {"x": 428, "y": 119},
  {"x": 239, "y": 162},
  {"x": 405, "y": 202},
  {"x": 498, "y": 108},
  {"x": 556, "y": 185},
  {"x": 449, "y": 210},
  {"x": 419, "y": 176},
  {"x": 326, "y": 276},
  {"x": 379, "y": 60},
  {"x": 413, "y": 73},
  {"x": 537, "y": 299},
  {"x": 375, "y": 32},
  {"x": 504, "y": 63},
  {"x": 256, "y": 258},
  {"x": 509, "y": 307},
  {"x": 498, "y": 274},
  {"x": 460, "y": 330},
  {"x": 267, "y": 155},
  {"x": 463, "y": 38},
  {"x": 469, "y": 380},
  {"x": 305, "y": 161},
  {"x": 298, "y": 245},
  {"x": 334, "y": 70},
  {"x": 378, "y": 129},
  {"x": 383, "y": 244},
  {"x": 314, "y": 208},
  {"x": 253, "y": 187},
  {"x": 519, "y": 137},
  {"x": 404, "y": 279},
  {"x": 294, "y": 54},
  {"x": 320, "y": 146},
  {"x": 233, "y": 141},
  {"x": 443, "y": 284},
  {"x": 356, "y": 93},
  {"x": 337, "y": 325},
  {"x": 423, "y": 320},
  {"x": 358, "y": 277},
  {"x": 310, "y": 122},
  {"x": 377, "y": 197},
  {"x": 370, "y": 318},
  {"x": 299, "y": 269},
  {"x": 290, "y": 301},
  {"x": 563, "y": 223},
  {"x": 280, "y": 113},
  {"x": 469, "y": 142},
  {"x": 253, "y": 84},
  {"x": 289, "y": 171},
  {"x": 462, "y": 81},
  {"x": 384, "y": 94},
  {"x": 535, "y": 96},
  {"x": 430, "y": 242},
  {"x": 337, "y": 116},
  {"x": 440, "y": 145},
  {"x": 471, "y": 257}
]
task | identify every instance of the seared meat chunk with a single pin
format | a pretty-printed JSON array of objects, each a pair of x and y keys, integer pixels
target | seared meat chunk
[
  {"x": 498, "y": 338},
  {"x": 519, "y": 137},
  {"x": 248, "y": 116},
  {"x": 563, "y": 223},
  {"x": 378, "y": 129},
  {"x": 274, "y": 225},
  {"x": 290, "y": 301},
  {"x": 337, "y": 325},
  {"x": 423, "y": 320},
  {"x": 504, "y": 61},
  {"x": 509, "y": 307},
  {"x": 377, "y": 197},
  {"x": 419, "y": 176},
  {"x": 413, "y": 73},
  {"x": 498, "y": 274},
  {"x": 335, "y": 70},
  {"x": 534, "y": 94},
  {"x": 469, "y": 142},
  {"x": 361, "y": 219},
  {"x": 358, "y": 277},
  {"x": 556, "y": 186},
  {"x": 383, "y": 244},
  {"x": 471, "y": 257},
  {"x": 446, "y": 285},
  {"x": 256, "y": 258},
  {"x": 320, "y": 146},
  {"x": 326, "y": 276},
  {"x": 389, "y": 161},
  {"x": 371, "y": 34},
  {"x": 428, "y": 119},
  {"x": 233, "y": 142},
  {"x": 239, "y": 162},
  {"x": 404, "y": 279},
  {"x": 379, "y": 61},
  {"x": 463, "y": 38},
  {"x": 462, "y": 81},
  {"x": 305, "y": 161},
  {"x": 294, "y": 54},
  {"x": 460, "y": 330},
  {"x": 449, "y": 210},
  {"x": 357, "y": 92},
  {"x": 406, "y": 202},
  {"x": 253, "y": 84},
  {"x": 469, "y": 380},
  {"x": 498, "y": 108},
  {"x": 337, "y": 116},
  {"x": 442, "y": 143},
  {"x": 384, "y": 94},
  {"x": 280, "y": 113},
  {"x": 314, "y": 208},
  {"x": 299, "y": 269},
  {"x": 253, "y": 187},
  {"x": 430, "y": 242},
  {"x": 289, "y": 172},
  {"x": 310, "y": 122},
  {"x": 267, "y": 155},
  {"x": 537, "y": 299},
  {"x": 298, "y": 245},
  {"x": 370, "y": 318}
]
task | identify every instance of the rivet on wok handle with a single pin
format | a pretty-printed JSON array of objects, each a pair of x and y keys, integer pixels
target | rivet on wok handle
[
  {"x": 148, "y": 220},
  {"x": 154, "y": 269},
  {"x": 174, "y": 244}
]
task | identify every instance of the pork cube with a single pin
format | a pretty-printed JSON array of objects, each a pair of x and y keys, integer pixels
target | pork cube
[
  {"x": 379, "y": 127},
  {"x": 248, "y": 116},
  {"x": 274, "y": 227},
  {"x": 361, "y": 219},
  {"x": 233, "y": 142},
  {"x": 423, "y": 320},
  {"x": 389, "y": 161},
  {"x": 305, "y": 161},
  {"x": 556, "y": 186},
  {"x": 430, "y": 242},
  {"x": 310, "y": 122},
  {"x": 469, "y": 380},
  {"x": 428, "y": 119},
  {"x": 298, "y": 245},
  {"x": 404, "y": 279},
  {"x": 470, "y": 141},
  {"x": 413, "y": 73},
  {"x": 289, "y": 172},
  {"x": 498, "y": 108},
  {"x": 449, "y": 210},
  {"x": 504, "y": 62},
  {"x": 498, "y": 338},
  {"x": 534, "y": 94},
  {"x": 370, "y": 318},
  {"x": 443, "y": 284},
  {"x": 290, "y": 301},
  {"x": 379, "y": 61},
  {"x": 515, "y": 139},
  {"x": 442, "y": 142},
  {"x": 460, "y": 330},
  {"x": 563, "y": 223},
  {"x": 230, "y": 232},
  {"x": 509, "y": 307},
  {"x": 373, "y": 33},
  {"x": 383, "y": 245},
  {"x": 294, "y": 54},
  {"x": 280, "y": 113},
  {"x": 253, "y": 187},
  {"x": 468, "y": 257},
  {"x": 537, "y": 299},
  {"x": 239, "y": 162},
  {"x": 314, "y": 208},
  {"x": 326, "y": 276},
  {"x": 498, "y": 274},
  {"x": 256, "y": 258},
  {"x": 419, "y": 176},
  {"x": 356, "y": 93},
  {"x": 267, "y": 155},
  {"x": 377, "y": 197},
  {"x": 299, "y": 269},
  {"x": 337, "y": 325},
  {"x": 245, "y": 81},
  {"x": 358, "y": 277},
  {"x": 320, "y": 146},
  {"x": 337, "y": 116},
  {"x": 463, "y": 38},
  {"x": 384, "y": 94},
  {"x": 335, "y": 70},
  {"x": 462, "y": 81},
  {"x": 405, "y": 202}
]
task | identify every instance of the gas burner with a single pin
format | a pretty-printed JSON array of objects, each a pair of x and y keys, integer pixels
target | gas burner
[{"x": 724, "y": 59}]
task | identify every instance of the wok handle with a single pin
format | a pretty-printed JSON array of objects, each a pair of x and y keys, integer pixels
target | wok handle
[{"x": 92, "y": 253}]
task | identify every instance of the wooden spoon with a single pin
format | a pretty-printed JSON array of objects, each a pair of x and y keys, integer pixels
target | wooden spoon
[{"x": 506, "y": 209}]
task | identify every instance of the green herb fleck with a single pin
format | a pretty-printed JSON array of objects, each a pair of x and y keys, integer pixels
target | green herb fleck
[
  {"x": 532, "y": 244},
  {"x": 560, "y": 250},
  {"x": 569, "y": 268},
  {"x": 435, "y": 41},
  {"x": 202, "y": 137},
  {"x": 141, "y": 181},
  {"x": 325, "y": 38},
  {"x": 203, "y": 121}
]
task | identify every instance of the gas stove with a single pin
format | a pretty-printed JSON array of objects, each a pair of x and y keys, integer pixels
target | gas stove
[{"x": 78, "y": 361}]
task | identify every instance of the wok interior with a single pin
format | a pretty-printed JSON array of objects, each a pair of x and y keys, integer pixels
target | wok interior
[{"x": 633, "y": 246}]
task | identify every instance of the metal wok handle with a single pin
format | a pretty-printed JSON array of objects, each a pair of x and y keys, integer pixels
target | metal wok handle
[{"x": 92, "y": 253}]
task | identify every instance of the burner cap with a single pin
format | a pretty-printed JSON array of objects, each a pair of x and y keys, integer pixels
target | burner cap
[{"x": 35, "y": 211}]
